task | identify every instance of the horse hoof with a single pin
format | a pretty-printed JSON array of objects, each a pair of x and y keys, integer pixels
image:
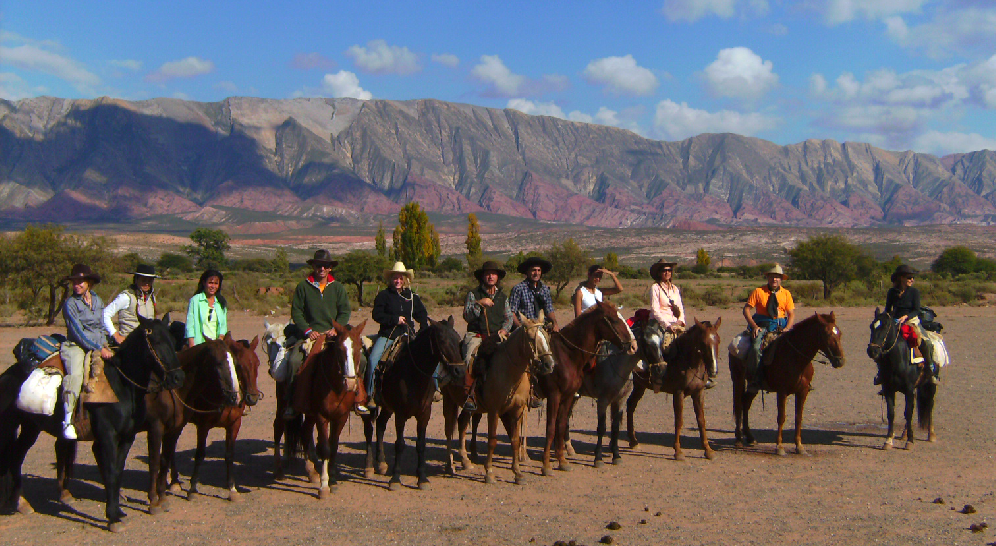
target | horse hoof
[
  {"x": 738, "y": 444},
  {"x": 116, "y": 527},
  {"x": 633, "y": 444},
  {"x": 599, "y": 464},
  {"x": 324, "y": 493},
  {"x": 680, "y": 457},
  {"x": 164, "y": 503},
  {"x": 617, "y": 461},
  {"x": 751, "y": 442},
  {"x": 24, "y": 508},
  {"x": 909, "y": 446},
  {"x": 192, "y": 495},
  {"x": 887, "y": 445},
  {"x": 565, "y": 467},
  {"x": 66, "y": 497},
  {"x": 780, "y": 452},
  {"x": 175, "y": 488},
  {"x": 155, "y": 510},
  {"x": 802, "y": 452},
  {"x": 382, "y": 469},
  {"x": 278, "y": 474},
  {"x": 570, "y": 451},
  {"x": 423, "y": 485},
  {"x": 547, "y": 471},
  {"x": 489, "y": 478},
  {"x": 710, "y": 454},
  {"x": 468, "y": 467},
  {"x": 520, "y": 479},
  {"x": 368, "y": 473},
  {"x": 234, "y": 496},
  {"x": 932, "y": 438},
  {"x": 394, "y": 486}
]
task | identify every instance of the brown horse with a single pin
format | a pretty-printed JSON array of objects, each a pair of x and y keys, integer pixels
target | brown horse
[
  {"x": 788, "y": 370},
  {"x": 406, "y": 390},
  {"x": 504, "y": 393},
  {"x": 696, "y": 360},
  {"x": 326, "y": 401},
  {"x": 274, "y": 342},
  {"x": 573, "y": 348}
]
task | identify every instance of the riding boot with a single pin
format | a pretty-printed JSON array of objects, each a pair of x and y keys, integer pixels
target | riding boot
[
  {"x": 359, "y": 401},
  {"x": 436, "y": 396},
  {"x": 69, "y": 404},
  {"x": 534, "y": 401}
]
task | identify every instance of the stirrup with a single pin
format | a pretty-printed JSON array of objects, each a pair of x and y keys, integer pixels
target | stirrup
[
  {"x": 534, "y": 402},
  {"x": 710, "y": 383},
  {"x": 360, "y": 409}
]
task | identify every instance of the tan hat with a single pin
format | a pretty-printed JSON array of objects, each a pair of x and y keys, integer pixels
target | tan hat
[
  {"x": 399, "y": 267},
  {"x": 776, "y": 270},
  {"x": 655, "y": 270}
]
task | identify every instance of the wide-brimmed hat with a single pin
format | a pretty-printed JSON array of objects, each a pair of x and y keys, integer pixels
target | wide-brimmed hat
[
  {"x": 82, "y": 272},
  {"x": 489, "y": 265},
  {"x": 655, "y": 270},
  {"x": 776, "y": 270},
  {"x": 323, "y": 257},
  {"x": 399, "y": 267},
  {"x": 534, "y": 261},
  {"x": 145, "y": 270},
  {"x": 904, "y": 271}
]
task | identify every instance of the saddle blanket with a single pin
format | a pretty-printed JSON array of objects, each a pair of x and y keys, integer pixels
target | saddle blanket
[
  {"x": 40, "y": 391},
  {"x": 941, "y": 356},
  {"x": 739, "y": 345}
]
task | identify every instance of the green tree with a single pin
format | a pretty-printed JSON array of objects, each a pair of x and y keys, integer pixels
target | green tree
[
  {"x": 380, "y": 241},
  {"x": 828, "y": 258},
  {"x": 209, "y": 247},
  {"x": 169, "y": 263},
  {"x": 280, "y": 262},
  {"x": 956, "y": 260},
  {"x": 416, "y": 242},
  {"x": 611, "y": 261},
  {"x": 702, "y": 261},
  {"x": 512, "y": 264},
  {"x": 360, "y": 267},
  {"x": 474, "y": 255},
  {"x": 570, "y": 261}
]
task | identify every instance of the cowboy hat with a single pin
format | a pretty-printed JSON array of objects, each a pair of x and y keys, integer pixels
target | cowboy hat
[
  {"x": 145, "y": 270},
  {"x": 903, "y": 271},
  {"x": 534, "y": 261},
  {"x": 655, "y": 270},
  {"x": 82, "y": 272},
  {"x": 776, "y": 270},
  {"x": 323, "y": 257},
  {"x": 489, "y": 265},
  {"x": 399, "y": 267}
]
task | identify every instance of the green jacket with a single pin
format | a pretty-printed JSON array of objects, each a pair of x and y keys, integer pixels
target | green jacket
[{"x": 313, "y": 310}]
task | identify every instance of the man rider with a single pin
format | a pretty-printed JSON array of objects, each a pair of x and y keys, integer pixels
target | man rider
[
  {"x": 487, "y": 314},
  {"x": 528, "y": 297},
  {"x": 769, "y": 308}
]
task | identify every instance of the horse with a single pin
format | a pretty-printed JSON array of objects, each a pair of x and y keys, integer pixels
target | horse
[
  {"x": 327, "y": 400},
  {"x": 503, "y": 394},
  {"x": 406, "y": 390},
  {"x": 276, "y": 350},
  {"x": 788, "y": 370},
  {"x": 145, "y": 362},
  {"x": 899, "y": 374},
  {"x": 573, "y": 347},
  {"x": 611, "y": 380}
]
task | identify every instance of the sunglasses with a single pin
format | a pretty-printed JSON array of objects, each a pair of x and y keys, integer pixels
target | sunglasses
[{"x": 210, "y": 313}]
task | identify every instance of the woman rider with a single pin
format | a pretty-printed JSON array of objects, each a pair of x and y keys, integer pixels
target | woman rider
[
  {"x": 902, "y": 302},
  {"x": 207, "y": 312},
  {"x": 138, "y": 300},
  {"x": 587, "y": 293},
  {"x": 396, "y": 309}
]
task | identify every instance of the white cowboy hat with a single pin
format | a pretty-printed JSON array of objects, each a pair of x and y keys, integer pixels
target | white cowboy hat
[
  {"x": 777, "y": 270},
  {"x": 399, "y": 267}
]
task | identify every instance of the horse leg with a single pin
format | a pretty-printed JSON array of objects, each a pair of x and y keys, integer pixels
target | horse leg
[
  {"x": 746, "y": 401},
  {"x": 800, "y": 404},
  {"x": 489, "y": 476},
  {"x": 202, "y": 433},
  {"x": 65, "y": 458},
  {"x": 399, "y": 450},
  {"x": 908, "y": 413},
  {"x": 523, "y": 452},
  {"x": 464, "y": 420},
  {"x": 782, "y": 398},
  {"x": 890, "y": 413},
  {"x": 278, "y": 432},
  {"x": 312, "y": 466},
  {"x": 475, "y": 422},
  {"x": 368, "y": 430},
  {"x": 602, "y": 403},
  {"x": 617, "y": 413},
  {"x": 382, "y": 420},
  {"x": 334, "y": 435},
  {"x": 563, "y": 426},
  {"x": 167, "y": 465},
  {"x": 739, "y": 405},
  {"x": 634, "y": 398},
  {"x": 552, "y": 405},
  {"x": 449, "y": 428},
  {"x": 155, "y": 441},
  {"x": 679, "y": 419},
  {"x": 324, "y": 491},
  {"x": 698, "y": 402},
  {"x": 15, "y": 460},
  {"x": 232, "y": 434},
  {"x": 568, "y": 446},
  {"x": 512, "y": 420},
  {"x": 421, "y": 425}
]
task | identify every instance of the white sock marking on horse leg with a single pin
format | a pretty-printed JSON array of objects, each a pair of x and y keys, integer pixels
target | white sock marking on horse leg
[
  {"x": 235, "y": 378},
  {"x": 350, "y": 366},
  {"x": 325, "y": 473}
]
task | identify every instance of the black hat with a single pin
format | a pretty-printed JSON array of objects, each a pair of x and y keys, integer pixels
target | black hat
[
  {"x": 534, "y": 261},
  {"x": 145, "y": 270},
  {"x": 655, "y": 270},
  {"x": 82, "y": 272},
  {"x": 903, "y": 271},
  {"x": 490, "y": 265},
  {"x": 323, "y": 257}
]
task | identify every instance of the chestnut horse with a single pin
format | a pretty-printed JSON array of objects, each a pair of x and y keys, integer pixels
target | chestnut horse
[
  {"x": 788, "y": 370},
  {"x": 573, "y": 348},
  {"x": 503, "y": 393},
  {"x": 406, "y": 389}
]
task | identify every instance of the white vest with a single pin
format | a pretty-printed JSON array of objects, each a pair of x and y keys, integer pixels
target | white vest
[{"x": 128, "y": 317}]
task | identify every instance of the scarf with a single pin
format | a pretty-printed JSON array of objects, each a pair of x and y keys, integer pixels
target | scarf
[{"x": 772, "y": 306}]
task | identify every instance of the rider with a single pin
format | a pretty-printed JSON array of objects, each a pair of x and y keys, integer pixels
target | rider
[
  {"x": 396, "y": 309},
  {"x": 528, "y": 297},
  {"x": 318, "y": 301},
  {"x": 903, "y": 303},
  {"x": 769, "y": 308},
  {"x": 83, "y": 312},
  {"x": 138, "y": 300},
  {"x": 587, "y": 293},
  {"x": 207, "y": 311},
  {"x": 667, "y": 307},
  {"x": 487, "y": 314}
]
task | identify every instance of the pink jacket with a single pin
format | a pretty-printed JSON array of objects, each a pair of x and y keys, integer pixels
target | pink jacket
[{"x": 660, "y": 300}]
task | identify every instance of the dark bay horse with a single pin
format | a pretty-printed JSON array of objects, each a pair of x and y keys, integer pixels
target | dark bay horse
[
  {"x": 696, "y": 360},
  {"x": 406, "y": 390},
  {"x": 146, "y": 362},
  {"x": 788, "y": 370},
  {"x": 892, "y": 355},
  {"x": 274, "y": 342},
  {"x": 504, "y": 394},
  {"x": 327, "y": 401},
  {"x": 573, "y": 348}
]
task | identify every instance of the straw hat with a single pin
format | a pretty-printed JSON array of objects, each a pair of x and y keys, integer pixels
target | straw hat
[
  {"x": 399, "y": 267},
  {"x": 655, "y": 270},
  {"x": 82, "y": 272},
  {"x": 776, "y": 270}
]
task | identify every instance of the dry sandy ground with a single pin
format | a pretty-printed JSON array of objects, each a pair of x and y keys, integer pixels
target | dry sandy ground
[{"x": 848, "y": 492}]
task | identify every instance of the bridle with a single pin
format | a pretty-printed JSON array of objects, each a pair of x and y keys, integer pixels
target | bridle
[
  {"x": 533, "y": 332},
  {"x": 891, "y": 327},
  {"x": 595, "y": 352},
  {"x": 160, "y": 383}
]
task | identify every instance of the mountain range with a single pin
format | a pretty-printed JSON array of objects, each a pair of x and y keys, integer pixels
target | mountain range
[{"x": 305, "y": 162}]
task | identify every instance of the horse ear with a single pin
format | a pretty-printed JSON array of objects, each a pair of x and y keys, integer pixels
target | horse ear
[
  {"x": 877, "y": 311},
  {"x": 697, "y": 323},
  {"x": 166, "y": 319},
  {"x": 541, "y": 316},
  {"x": 449, "y": 321},
  {"x": 358, "y": 329},
  {"x": 832, "y": 317},
  {"x": 266, "y": 324},
  {"x": 718, "y": 322},
  {"x": 255, "y": 342},
  {"x": 228, "y": 337}
]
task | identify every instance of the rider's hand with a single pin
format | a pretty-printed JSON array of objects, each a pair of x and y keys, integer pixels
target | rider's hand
[
  {"x": 331, "y": 333},
  {"x": 757, "y": 331},
  {"x": 486, "y": 302},
  {"x": 119, "y": 338},
  {"x": 106, "y": 353},
  {"x": 314, "y": 335},
  {"x": 502, "y": 334},
  {"x": 401, "y": 320}
]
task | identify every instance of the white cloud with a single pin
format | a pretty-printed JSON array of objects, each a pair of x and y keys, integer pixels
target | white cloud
[
  {"x": 693, "y": 10},
  {"x": 621, "y": 76},
  {"x": 817, "y": 85},
  {"x": 344, "y": 84},
  {"x": 502, "y": 81},
  {"x": 380, "y": 58},
  {"x": 951, "y": 30},
  {"x": 836, "y": 12},
  {"x": 34, "y": 58},
  {"x": 941, "y": 144},
  {"x": 127, "y": 64},
  {"x": 674, "y": 121},
  {"x": 536, "y": 108},
  {"x": 446, "y": 59},
  {"x": 739, "y": 72},
  {"x": 896, "y": 29},
  {"x": 189, "y": 67}
]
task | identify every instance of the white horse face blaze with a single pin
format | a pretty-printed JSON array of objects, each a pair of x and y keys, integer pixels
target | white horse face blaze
[
  {"x": 350, "y": 365},
  {"x": 875, "y": 326},
  {"x": 234, "y": 378},
  {"x": 629, "y": 333}
]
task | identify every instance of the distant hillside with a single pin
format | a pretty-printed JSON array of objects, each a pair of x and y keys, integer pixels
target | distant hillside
[{"x": 301, "y": 162}]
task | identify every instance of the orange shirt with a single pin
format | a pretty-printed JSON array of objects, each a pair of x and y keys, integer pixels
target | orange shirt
[{"x": 759, "y": 301}]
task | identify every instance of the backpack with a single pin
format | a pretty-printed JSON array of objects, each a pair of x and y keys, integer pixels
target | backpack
[{"x": 928, "y": 320}]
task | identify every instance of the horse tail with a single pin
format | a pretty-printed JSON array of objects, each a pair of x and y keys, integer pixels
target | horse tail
[
  {"x": 293, "y": 439},
  {"x": 925, "y": 405}
]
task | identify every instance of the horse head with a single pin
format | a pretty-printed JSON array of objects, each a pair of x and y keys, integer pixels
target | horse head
[
  {"x": 151, "y": 345},
  {"x": 177, "y": 330},
  {"x": 539, "y": 342},
  {"x": 348, "y": 346},
  {"x": 247, "y": 366},
  {"x": 274, "y": 341},
  {"x": 830, "y": 339},
  {"x": 708, "y": 343},
  {"x": 445, "y": 345},
  {"x": 613, "y": 327},
  {"x": 881, "y": 330}
]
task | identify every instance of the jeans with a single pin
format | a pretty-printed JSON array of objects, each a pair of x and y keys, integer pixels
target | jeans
[{"x": 379, "y": 346}]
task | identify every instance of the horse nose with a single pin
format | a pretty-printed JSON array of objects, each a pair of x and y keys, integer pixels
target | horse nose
[
  {"x": 873, "y": 352},
  {"x": 632, "y": 348},
  {"x": 174, "y": 379},
  {"x": 838, "y": 362},
  {"x": 253, "y": 398}
]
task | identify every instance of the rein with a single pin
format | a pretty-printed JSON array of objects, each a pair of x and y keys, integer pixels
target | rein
[
  {"x": 825, "y": 360},
  {"x": 155, "y": 356}
]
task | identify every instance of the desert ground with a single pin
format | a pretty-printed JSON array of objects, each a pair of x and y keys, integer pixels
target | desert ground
[{"x": 849, "y": 491}]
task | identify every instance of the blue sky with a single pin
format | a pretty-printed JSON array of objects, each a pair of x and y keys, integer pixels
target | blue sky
[{"x": 900, "y": 74}]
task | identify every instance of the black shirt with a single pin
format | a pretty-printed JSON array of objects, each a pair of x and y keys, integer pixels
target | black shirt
[
  {"x": 389, "y": 305},
  {"x": 907, "y": 303}
]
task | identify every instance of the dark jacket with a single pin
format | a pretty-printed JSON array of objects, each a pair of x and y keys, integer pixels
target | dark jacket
[
  {"x": 908, "y": 304},
  {"x": 389, "y": 305},
  {"x": 312, "y": 309}
]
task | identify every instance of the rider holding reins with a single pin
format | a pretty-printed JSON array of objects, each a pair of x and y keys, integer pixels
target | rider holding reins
[
  {"x": 769, "y": 308},
  {"x": 487, "y": 314}
]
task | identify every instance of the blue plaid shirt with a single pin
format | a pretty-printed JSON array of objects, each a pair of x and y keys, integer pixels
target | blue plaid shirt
[{"x": 523, "y": 299}]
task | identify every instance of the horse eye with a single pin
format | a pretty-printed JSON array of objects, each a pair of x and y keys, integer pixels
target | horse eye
[{"x": 148, "y": 331}]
